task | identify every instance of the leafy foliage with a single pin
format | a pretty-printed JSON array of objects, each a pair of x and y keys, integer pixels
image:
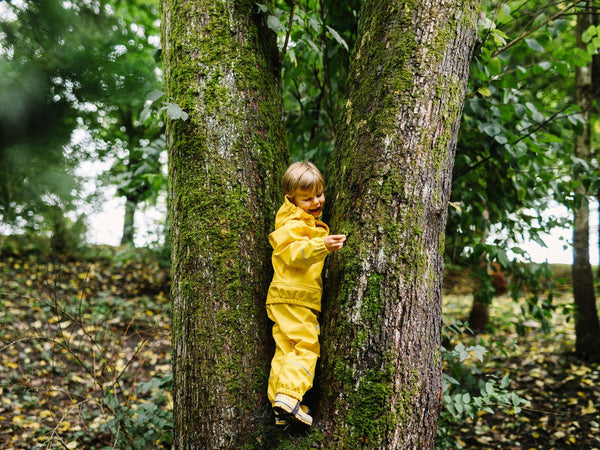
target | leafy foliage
[
  {"x": 315, "y": 67},
  {"x": 86, "y": 360},
  {"x": 538, "y": 392}
]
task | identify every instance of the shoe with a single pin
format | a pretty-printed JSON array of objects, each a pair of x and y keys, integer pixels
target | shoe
[
  {"x": 281, "y": 421},
  {"x": 287, "y": 408}
]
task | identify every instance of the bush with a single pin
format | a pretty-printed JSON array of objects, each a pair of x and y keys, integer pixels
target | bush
[{"x": 467, "y": 391}]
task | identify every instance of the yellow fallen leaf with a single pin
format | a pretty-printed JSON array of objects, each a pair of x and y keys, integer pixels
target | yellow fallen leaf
[
  {"x": 581, "y": 370},
  {"x": 589, "y": 409},
  {"x": 45, "y": 413},
  {"x": 64, "y": 426},
  {"x": 559, "y": 435},
  {"x": 72, "y": 444}
]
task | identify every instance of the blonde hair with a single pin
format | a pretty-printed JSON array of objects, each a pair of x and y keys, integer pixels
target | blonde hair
[{"x": 302, "y": 175}]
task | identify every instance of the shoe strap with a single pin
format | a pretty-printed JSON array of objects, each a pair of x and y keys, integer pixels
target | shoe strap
[{"x": 296, "y": 408}]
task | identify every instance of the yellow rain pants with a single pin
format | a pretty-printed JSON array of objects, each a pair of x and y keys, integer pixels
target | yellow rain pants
[{"x": 296, "y": 334}]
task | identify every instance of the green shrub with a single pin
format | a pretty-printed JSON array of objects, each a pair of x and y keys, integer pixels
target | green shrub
[{"x": 466, "y": 390}]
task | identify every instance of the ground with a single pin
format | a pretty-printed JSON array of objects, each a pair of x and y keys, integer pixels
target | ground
[
  {"x": 85, "y": 362},
  {"x": 84, "y": 354},
  {"x": 562, "y": 400}
]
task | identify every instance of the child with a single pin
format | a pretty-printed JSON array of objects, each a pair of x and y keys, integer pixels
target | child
[{"x": 300, "y": 242}]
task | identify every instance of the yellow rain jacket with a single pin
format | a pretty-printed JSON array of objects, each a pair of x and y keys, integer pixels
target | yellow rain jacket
[{"x": 298, "y": 257}]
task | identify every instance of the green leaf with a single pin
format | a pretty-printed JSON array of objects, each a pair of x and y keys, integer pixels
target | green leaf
[
  {"x": 479, "y": 351},
  {"x": 534, "y": 45},
  {"x": 485, "y": 91},
  {"x": 154, "y": 95},
  {"x": 589, "y": 34},
  {"x": 449, "y": 379},
  {"x": 175, "y": 112},
  {"x": 463, "y": 354},
  {"x": 337, "y": 37},
  {"x": 500, "y": 139},
  {"x": 275, "y": 24},
  {"x": 262, "y": 8}
]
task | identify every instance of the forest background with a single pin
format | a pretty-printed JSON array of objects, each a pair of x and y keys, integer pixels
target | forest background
[{"x": 81, "y": 87}]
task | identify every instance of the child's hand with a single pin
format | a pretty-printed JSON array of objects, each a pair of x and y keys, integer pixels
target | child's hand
[{"x": 334, "y": 242}]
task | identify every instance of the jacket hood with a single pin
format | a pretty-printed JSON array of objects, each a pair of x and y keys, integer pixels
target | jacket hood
[{"x": 289, "y": 211}]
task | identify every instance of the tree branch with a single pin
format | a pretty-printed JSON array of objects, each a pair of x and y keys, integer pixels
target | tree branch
[
  {"x": 524, "y": 34},
  {"x": 289, "y": 30}
]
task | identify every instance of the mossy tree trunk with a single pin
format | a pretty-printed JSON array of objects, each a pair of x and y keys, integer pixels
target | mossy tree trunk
[
  {"x": 389, "y": 183},
  {"x": 225, "y": 162},
  {"x": 129, "y": 220},
  {"x": 587, "y": 327}
]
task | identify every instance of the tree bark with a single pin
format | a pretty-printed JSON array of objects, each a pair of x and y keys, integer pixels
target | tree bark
[
  {"x": 129, "y": 221},
  {"x": 587, "y": 327},
  {"x": 225, "y": 164},
  {"x": 389, "y": 182},
  {"x": 596, "y": 97}
]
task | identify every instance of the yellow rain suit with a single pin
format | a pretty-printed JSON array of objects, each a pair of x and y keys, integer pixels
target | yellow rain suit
[{"x": 294, "y": 299}]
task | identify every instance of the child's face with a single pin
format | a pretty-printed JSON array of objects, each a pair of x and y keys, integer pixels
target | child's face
[{"x": 310, "y": 201}]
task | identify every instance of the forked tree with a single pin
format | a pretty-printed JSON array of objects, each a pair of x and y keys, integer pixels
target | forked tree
[{"x": 389, "y": 182}]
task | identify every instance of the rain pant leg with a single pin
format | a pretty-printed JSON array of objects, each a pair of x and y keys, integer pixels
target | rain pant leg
[{"x": 296, "y": 334}]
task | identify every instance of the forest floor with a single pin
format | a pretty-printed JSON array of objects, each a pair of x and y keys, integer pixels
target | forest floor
[
  {"x": 561, "y": 394},
  {"x": 85, "y": 362}
]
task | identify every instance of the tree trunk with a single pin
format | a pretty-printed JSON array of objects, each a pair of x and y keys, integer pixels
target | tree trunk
[
  {"x": 129, "y": 221},
  {"x": 479, "y": 316},
  {"x": 390, "y": 185},
  {"x": 587, "y": 327},
  {"x": 596, "y": 97},
  {"x": 225, "y": 164}
]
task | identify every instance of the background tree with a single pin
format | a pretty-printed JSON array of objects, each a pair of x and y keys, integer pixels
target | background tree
[
  {"x": 511, "y": 154},
  {"x": 225, "y": 162},
  {"x": 390, "y": 180},
  {"x": 127, "y": 128},
  {"x": 88, "y": 66},
  {"x": 587, "y": 326},
  {"x": 53, "y": 57}
]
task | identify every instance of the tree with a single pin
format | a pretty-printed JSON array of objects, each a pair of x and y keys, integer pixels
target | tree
[
  {"x": 514, "y": 148},
  {"x": 221, "y": 65},
  {"x": 52, "y": 59},
  {"x": 67, "y": 65},
  {"x": 390, "y": 177},
  {"x": 587, "y": 326}
]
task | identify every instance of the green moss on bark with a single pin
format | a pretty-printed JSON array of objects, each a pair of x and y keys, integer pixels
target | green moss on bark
[
  {"x": 393, "y": 157},
  {"x": 225, "y": 164}
]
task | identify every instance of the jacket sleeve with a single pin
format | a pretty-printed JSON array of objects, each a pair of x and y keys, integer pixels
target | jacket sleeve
[{"x": 295, "y": 248}]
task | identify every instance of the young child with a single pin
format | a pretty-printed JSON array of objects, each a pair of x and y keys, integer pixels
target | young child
[{"x": 300, "y": 242}]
